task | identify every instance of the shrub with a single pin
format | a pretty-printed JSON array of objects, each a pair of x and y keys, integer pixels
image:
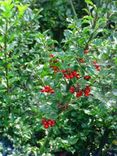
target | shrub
[{"x": 55, "y": 100}]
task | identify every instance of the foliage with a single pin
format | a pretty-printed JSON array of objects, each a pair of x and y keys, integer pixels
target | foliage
[
  {"x": 56, "y": 12},
  {"x": 57, "y": 99},
  {"x": 22, "y": 50}
]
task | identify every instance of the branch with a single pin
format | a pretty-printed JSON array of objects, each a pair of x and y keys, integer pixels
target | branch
[
  {"x": 74, "y": 11},
  {"x": 92, "y": 34}
]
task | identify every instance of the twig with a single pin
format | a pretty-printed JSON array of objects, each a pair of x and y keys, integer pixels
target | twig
[
  {"x": 93, "y": 27},
  {"x": 74, "y": 11}
]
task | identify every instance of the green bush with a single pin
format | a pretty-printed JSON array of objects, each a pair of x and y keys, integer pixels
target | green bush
[{"x": 58, "y": 99}]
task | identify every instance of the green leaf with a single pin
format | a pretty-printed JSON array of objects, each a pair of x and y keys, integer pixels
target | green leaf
[{"x": 89, "y": 2}]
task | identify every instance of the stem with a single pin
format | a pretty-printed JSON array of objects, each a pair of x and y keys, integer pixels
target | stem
[
  {"x": 93, "y": 27},
  {"x": 74, "y": 11},
  {"x": 41, "y": 81}
]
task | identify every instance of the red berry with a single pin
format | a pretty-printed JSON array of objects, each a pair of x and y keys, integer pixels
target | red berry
[
  {"x": 72, "y": 89},
  {"x": 51, "y": 122},
  {"x": 97, "y": 66},
  {"x": 46, "y": 126},
  {"x": 87, "y": 88},
  {"x": 87, "y": 77},
  {"x": 71, "y": 76},
  {"x": 66, "y": 76},
  {"x": 47, "y": 89},
  {"x": 79, "y": 93},
  {"x": 81, "y": 60},
  {"x": 45, "y": 123},
  {"x": 75, "y": 74},
  {"x": 51, "y": 55},
  {"x": 63, "y": 71},
  {"x": 86, "y": 51},
  {"x": 51, "y": 91},
  {"x": 87, "y": 91}
]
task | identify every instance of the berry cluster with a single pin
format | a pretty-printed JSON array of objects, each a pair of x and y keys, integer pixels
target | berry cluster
[
  {"x": 47, "y": 89},
  {"x": 69, "y": 74},
  {"x": 86, "y": 91},
  {"x": 48, "y": 123}
]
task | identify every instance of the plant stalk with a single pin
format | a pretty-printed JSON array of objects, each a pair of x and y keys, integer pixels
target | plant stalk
[
  {"x": 93, "y": 27},
  {"x": 74, "y": 11}
]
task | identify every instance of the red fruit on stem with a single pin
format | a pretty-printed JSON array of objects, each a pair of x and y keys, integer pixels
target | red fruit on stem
[
  {"x": 75, "y": 74},
  {"x": 71, "y": 76},
  {"x": 72, "y": 89},
  {"x": 97, "y": 66},
  {"x": 47, "y": 89},
  {"x": 87, "y": 91},
  {"x": 86, "y": 51},
  {"x": 79, "y": 93},
  {"x": 51, "y": 91},
  {"x": 51, "y": 122},
  {"x": 81, "y": 60},
  {"x": 87, "y": 88},
  {"x": 66, "y": 76},
  {"x": 51, "y": 55},
  {"x": 46, "y": 126},
  {"x": 87, "y": 77}
]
